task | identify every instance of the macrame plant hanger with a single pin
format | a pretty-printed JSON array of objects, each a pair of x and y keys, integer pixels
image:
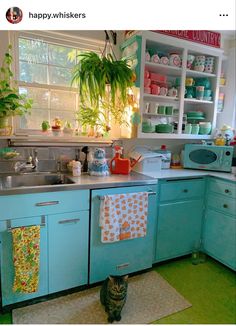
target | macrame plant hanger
[{"x": 108, "y": 48}]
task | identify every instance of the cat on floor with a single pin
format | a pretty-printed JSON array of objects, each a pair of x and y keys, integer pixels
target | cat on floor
[{"x": 113, "y": 296}]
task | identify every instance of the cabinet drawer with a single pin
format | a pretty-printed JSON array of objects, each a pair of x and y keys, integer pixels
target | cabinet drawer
[
  {"x": 223, "y": 188},
  {"x": 15, "y": 206},
  {"x": 222, "y": 203},
  {"x": 181, "y": 189}
]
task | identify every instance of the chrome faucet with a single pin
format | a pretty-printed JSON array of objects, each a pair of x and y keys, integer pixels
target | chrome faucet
[
  {"x": 35, "y": 160},
  {"x": 30, "y": 165}
]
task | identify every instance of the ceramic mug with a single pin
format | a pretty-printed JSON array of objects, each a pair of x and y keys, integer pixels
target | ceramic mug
[
  {"x": 161, "y": 109},
  {"x": 199, "y": 92},
  {"x": 153, "y": 108},
  {"x": 190, "y": 60},
  {"x": 188, "y": 128},
  {"x": 173, "y": 92},
  {"x": 163, "y": 91},
  {"x": 169, "y": 110},
  {"x": 195, "y": 129},
  {"x": 189, "y": 82}
]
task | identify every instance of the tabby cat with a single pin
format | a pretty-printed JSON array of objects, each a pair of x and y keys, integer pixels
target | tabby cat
[{"x": 113, "y": 296}]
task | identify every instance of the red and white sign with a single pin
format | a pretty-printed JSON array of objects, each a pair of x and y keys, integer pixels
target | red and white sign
[{"x": 203, "y": 37}]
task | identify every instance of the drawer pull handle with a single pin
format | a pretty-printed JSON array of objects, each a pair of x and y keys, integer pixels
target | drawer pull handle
[
  {"x": 185, "y": 190},
  {"x": 122, "y": 266},
  {"x": 227, "y": 191},
  {"x": 72, "y": 220},
  {"x": 225, "y": 206},
  {"x": 47, "y": 203}
]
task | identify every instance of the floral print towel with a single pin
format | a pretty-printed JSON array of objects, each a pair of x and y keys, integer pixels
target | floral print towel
[
  {"x": 26, "y": 254},
  {"x": 123, "y": 216}
]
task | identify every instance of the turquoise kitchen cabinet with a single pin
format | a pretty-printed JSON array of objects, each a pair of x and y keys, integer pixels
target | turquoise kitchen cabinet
[
  {"x": 219, "y": 231},
  {"x": 63, "y": 242},
  {"x": 6, "y": 261},
  {"x": 179, "y": 217},
  {"x": 68, "y": 250},
  {"x": 125, "y": 256}
]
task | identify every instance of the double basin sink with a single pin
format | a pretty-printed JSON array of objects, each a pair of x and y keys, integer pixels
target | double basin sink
[{"x": 33, "y": 179}]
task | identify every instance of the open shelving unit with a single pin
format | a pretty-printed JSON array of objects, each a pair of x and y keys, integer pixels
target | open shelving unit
[{"x": 181, "y": 104}]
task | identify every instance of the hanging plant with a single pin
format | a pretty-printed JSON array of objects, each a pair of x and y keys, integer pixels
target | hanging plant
[{"x": 103, "y": 82}]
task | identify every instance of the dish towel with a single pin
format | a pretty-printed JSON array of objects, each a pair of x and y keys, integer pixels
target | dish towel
[
  {"x": 26, "y": 254},
  {"x": 123, "y": 216}
]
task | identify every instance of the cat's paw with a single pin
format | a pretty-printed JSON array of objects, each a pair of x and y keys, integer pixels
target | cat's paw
[
  {"x": 110, "y": 319},
  {"x": 118, "y": 318}
]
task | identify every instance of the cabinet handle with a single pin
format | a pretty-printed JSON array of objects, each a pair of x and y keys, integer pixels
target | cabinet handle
[
  {"x": 122, "y": 266},
  {"x": 225, "y": 206},
  {"x": 72, "y": 220},
  {"x": 227, "y": 191},
  {"x": 47, "y": 203},
  {"x": 185, "y": 190}
]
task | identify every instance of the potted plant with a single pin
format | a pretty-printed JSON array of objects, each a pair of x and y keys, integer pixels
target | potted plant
[
  {"x": 103, "y": 82},
  {"x": 11, "y": 102}
]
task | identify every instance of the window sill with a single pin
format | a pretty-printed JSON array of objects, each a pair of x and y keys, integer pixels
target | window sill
[{"x": 52, "y": 141}]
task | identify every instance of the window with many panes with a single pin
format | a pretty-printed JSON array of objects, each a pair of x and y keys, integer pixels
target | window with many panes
[{"x": 44, "y": 74}]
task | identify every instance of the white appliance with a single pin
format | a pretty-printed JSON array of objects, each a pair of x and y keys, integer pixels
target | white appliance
[{"x": 149, "y": 161}]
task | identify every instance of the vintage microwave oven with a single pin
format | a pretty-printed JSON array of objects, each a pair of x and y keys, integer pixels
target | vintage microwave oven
[{"x": 208, "y": 157}]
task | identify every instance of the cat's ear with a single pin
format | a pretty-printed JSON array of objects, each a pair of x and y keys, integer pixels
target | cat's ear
[
  {"x": 111, "y": 278},
  {"x": 125, "y": 278}
]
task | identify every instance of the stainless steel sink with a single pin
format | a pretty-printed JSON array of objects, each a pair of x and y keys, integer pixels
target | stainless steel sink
[{"x": 32, "y": 180}]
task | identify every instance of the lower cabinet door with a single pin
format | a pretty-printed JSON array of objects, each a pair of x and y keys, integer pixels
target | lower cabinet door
[
  {"x": 178, "y": 228},
  {"x": 68, "y": 250},
  {"x": 124, "y": 256},
  {"x": 219, "y": 237},
  {"x": 7, "y": 266}
]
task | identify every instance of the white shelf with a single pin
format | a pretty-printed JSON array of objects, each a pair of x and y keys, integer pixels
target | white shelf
[
  {"x": 159, "y": 97},
  {"x": 195, "y": 101},
  {"x": 196, "y": 73},
  {"x": 156, "y": 135},
  {"x": 160, "y": 115},
  {"x": 163, "y": 69}
]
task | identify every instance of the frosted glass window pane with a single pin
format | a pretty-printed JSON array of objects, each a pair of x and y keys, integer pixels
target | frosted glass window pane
[
  {"x": 33, "y": 51},
  {"x": 61, "y": 56},
  {"x": 40, "y": 96},
  {"x": 61, "y": 100},
  {"x": 33, "y": 73},
  {"x": 34, "y": 120},
  {"x": 60, "y": 76}
]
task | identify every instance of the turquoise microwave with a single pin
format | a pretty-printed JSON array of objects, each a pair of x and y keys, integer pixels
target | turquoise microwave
[{"x": 208, "y": 157}]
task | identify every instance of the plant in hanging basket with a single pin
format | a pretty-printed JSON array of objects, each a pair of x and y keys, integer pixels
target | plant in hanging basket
[
  {"x": 103, "y": 83},
  {"x": 11, "y": 102}
]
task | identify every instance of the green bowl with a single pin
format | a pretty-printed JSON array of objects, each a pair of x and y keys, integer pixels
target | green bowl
[{"x": 164, "y": 128}]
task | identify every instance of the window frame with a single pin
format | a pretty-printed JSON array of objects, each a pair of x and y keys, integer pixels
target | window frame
[{"x": 55, "y": 38}]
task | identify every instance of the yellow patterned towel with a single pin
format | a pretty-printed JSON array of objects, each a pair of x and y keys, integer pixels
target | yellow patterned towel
[{"x": 26, "y": 254}]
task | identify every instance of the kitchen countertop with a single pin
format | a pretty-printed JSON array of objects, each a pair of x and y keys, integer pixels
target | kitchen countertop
[
  {"x": 86, "y": 182},
  {"x": 188, "y": 173}
]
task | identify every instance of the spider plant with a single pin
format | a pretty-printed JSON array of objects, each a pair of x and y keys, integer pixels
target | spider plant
[{"x": 103, "y": 80}]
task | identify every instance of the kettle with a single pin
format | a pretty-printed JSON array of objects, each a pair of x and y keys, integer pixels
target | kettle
[{"x": 120, "y": 165}]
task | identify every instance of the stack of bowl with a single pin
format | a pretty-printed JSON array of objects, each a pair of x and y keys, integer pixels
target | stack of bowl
[
  {"x": 195, "y": 116},
  {"x": 204, "y": 128},
  {"x": 199, "y": 63},
  {"x": 209, "y": 64}
]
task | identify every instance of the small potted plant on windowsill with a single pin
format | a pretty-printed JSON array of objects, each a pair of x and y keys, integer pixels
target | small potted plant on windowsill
[{"x": 11, "y": 102}]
